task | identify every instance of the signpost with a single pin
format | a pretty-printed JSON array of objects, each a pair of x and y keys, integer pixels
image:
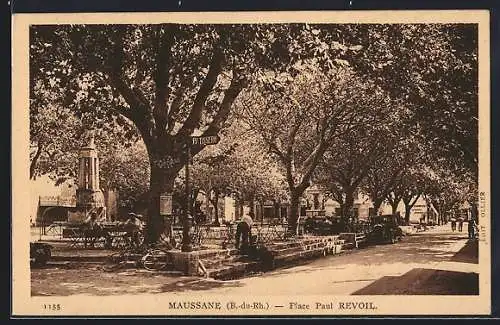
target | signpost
[
  {"x": 192, "y": 141},
  {"x": 205, "y": 140}
]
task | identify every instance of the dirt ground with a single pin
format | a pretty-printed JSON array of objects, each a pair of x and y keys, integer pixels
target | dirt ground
[{"x": 426, "y": 263}]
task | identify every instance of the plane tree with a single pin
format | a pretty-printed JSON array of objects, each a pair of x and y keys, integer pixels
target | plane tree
[
  {"x": 299, "y": 123},
  {"x": 402, "y": 152},
  {"x": 348, "y": 161},
  {"x": 169, "y": 80},
  {"x": 434, "y": 69},
  {"x": 238, "y": 167}
]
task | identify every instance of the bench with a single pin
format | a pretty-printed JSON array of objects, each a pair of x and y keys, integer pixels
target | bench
[
  {"x": 80, "y": 236},
  {"x": 355, "y": 239}
]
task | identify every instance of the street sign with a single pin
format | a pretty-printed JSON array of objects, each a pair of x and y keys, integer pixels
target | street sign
[
  {"x": 206, "y": 140},
  {"x": 166, "y": 205}
]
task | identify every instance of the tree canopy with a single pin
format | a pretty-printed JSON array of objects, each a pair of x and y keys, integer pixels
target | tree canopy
[{"x": 304, "y": 89}]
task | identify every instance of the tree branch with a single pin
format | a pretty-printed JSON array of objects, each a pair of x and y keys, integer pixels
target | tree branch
[
  {"x": 414, "y": 201},
  {"x": 206, "y": 87},
  {"x": 165, "y": 41},
  {"x": 138, "y": 111},
  {"x": 237, "y": 84},
  {"x": 174, "y": 108},
  {"x": 34, "y": 161},
  {"x": 292, "y": 135}
]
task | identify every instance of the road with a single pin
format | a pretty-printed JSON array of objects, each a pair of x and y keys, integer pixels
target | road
[{"x": 434, "y": 262}]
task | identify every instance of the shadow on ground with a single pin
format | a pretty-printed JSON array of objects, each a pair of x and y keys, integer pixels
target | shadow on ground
[
  {"x": 424, "y": 282},
  {"x": 468, "y": 254},
  {"x": 197, "y": 284}
]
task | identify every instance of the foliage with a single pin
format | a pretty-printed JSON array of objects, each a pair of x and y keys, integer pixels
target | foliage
[
  {"x": 169, "y": 80},
  {"x": 238, "y": 167},
  {"x": 127, "y": 171},
  {"x": 349, "y": 160},
  {"x": 309, "y": 85},
  {"x": 299, "y": 123},
  {"x": 433, "y": 68}
]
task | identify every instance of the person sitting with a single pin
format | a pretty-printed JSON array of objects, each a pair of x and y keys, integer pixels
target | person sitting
[
  {"x": 244, "y": 233},
  {"x": 91, "y": 229},
  {"x": 133, "y": 227}
]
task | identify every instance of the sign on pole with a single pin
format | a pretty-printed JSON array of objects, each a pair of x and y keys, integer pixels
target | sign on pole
[
  {"x": 166, "y": 204},
  {"x": 205, "y": 140}
]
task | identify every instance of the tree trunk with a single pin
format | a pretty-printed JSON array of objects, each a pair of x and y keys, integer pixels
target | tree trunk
[
  {"x": 348, "y": 205},
  {"x": 252, "y": 207},
  {"x": 261, "y": 208},
  {"x": 277, "y": 210},
  {"x": 236, "y": 207},
  {"x": 161, "y": 181},
  {"x": 207, "y": 204},
  {"x": 241, "y": 208},
  {"x": 394, "y": 206},
  {"x": 407, "y": 213},
  {"x": 294, "y": 213},
  {"x": 34, "y": 161},
  {"x": 376, "y": 205},
  {"x": 216, "y": 208}
]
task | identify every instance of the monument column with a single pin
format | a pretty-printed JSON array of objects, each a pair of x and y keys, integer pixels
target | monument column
[{"x": 88, "y": 194}]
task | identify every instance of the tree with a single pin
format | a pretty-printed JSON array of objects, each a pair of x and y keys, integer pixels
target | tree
[
  {"x": 212, "y": 175},
  {"x": 57, "y": 131},
  {"x": 126, "y": 170},
  {"x": 433, "y": 68},
  {"x": 236, "y": 166},
  {"x": 446, "y": 191},
  {"x": 169, "y": 80},
  {"x": 411, "y": 187},
  {"x": 57, "y": 134},
  {"x": 348, "y": 161},
  {"x": 299, "y": 123},
  {"x": 172, "y": 81}
]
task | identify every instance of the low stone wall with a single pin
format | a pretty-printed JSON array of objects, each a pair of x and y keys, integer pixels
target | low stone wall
[
  {"x": 225, "y": 263},
  {"x": 188, "y": 262}
]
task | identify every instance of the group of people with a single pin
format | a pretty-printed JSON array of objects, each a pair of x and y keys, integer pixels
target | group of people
[
  {"x": 133, "y": 226},
  {"x": 471, "y": 226},
  {"x": 454, "y": 223}
]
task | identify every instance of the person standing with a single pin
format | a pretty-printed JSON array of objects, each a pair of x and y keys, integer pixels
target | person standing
[
  {"x": 453, "y": 224},
  {"x": 244, "y": 233},
  {"x": 471, "y": 227},
  {"x": 460, "y": 224}
]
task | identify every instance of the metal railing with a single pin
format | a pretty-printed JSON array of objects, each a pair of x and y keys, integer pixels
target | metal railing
[{"x": 224, "y": 236}]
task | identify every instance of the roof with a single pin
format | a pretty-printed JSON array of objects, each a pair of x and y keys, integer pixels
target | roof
[{"x": 57, "y": 201}]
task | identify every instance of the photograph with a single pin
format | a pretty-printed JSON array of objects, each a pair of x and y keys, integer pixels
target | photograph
[{"x": 239, "y": 163}]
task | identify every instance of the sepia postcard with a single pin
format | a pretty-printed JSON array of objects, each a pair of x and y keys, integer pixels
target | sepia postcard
[{"x": 278, "y": 163}]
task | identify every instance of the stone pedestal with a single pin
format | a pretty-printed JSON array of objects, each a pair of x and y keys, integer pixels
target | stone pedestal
[
  {"x": 90, "y": 198},
  {"x": 89, "y": 195}
]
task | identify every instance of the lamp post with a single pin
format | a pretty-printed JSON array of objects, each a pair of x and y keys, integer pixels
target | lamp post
[
  {"x": 186, "y": 239},
  {"x": 198, "y": 141}
]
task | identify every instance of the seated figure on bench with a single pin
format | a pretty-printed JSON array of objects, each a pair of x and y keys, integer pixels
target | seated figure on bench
[
  {"x": 134, "y": 226},
  {"x": 93, "y": 230}
]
